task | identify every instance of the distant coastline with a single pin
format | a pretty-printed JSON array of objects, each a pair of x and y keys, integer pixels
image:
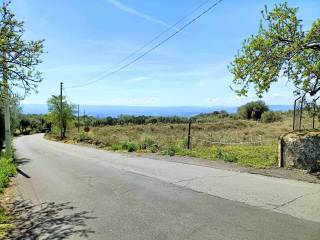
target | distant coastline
[{"x": 115, "y": 111}]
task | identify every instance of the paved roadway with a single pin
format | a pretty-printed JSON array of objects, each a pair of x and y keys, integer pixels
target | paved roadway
[{"x": 73, "y": 192}]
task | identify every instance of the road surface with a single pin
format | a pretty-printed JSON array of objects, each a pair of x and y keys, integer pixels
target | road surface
[{"x": 74, "y": 192}]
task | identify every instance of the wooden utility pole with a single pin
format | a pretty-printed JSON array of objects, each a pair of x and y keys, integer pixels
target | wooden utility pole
[
  {"x": 61, "y": 111},
  {"x": 78, "y": 119},
  {"x": 189, "y": 135}
]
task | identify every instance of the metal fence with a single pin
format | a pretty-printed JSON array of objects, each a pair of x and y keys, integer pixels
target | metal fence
[{"x": 305, "y": 113}]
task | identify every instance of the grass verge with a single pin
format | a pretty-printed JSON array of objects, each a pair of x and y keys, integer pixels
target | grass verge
[{"x": 7, "y": 170}]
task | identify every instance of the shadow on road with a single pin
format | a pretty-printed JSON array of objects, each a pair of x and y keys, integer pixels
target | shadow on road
[
  {"x": 22, "y": 161},
  {"x": 48, "y": 221}
]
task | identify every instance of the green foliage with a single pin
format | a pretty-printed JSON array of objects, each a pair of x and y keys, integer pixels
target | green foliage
[
  {"x": 218, "y": 153},
  {"x": 230, "y": 157},
  {"x": 146, "y": 141},
  {"x": 5, "y": 223},
  {"x": 7, "y": 170},
  {"x": 2, "y": 129},
  {"x": 280, "y": 48},
  {"x": 82, "y": 136},
  {"x": 19, "y": 58},
  {"x": 129, "y": 146},
  {"x": 68, "y": 111},
  {"x": 208, "y": 117},
  {"x": 170, "y": 150},
  {"x": 252, "y": 110},
  {"x": 129, "y": 120},
  {"x": 270, "y": 117},
  {"x": 15, "y": 116}
]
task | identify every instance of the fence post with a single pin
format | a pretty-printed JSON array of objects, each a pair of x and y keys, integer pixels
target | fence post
[
  {"x": 301, "y": 111},
  {"x": 314, "y": 112},
  {"x": 280, "y": 152},
  {"x": 189, "y": 135}
]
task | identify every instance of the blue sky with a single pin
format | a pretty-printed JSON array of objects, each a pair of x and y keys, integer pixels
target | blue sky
[{"x": 85, "y": 38}]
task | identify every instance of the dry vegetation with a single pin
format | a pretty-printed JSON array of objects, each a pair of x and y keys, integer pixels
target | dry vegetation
[
  {"x": 228, "y": 131},
  {"x": 245, "y": 142}
]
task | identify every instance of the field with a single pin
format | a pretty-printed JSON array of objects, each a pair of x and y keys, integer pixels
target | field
[{"x": 245, "y": 142}]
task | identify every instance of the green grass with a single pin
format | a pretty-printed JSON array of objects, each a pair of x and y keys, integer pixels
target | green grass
[
  {"x": 257, "y": 156},
  {"x": 7, "y": 170},
  {"x": 5, "y": 223}
]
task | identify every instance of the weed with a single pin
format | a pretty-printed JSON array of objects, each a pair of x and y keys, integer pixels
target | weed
[
  {"x": 170, "y": 150},
  {"x": 218, "y": 153},
  {"x": 129, "y": 146},
  {"x": 146, "y": 141}
]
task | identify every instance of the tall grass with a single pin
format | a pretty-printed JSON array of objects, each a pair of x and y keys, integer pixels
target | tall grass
[{"x": 244, "y": 142}]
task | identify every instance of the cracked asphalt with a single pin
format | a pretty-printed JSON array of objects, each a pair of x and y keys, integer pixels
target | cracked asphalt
[{"x": 116, "y": 196}]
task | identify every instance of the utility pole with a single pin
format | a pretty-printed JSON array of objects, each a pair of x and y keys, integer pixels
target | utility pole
[
  {"x": 189, "y": 135},
  {"x": 7, "y": 114},
  {"x": 78, "y": 119},
  {"x": 61, "y": 111}
]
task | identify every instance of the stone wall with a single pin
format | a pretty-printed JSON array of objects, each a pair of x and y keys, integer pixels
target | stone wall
[{"x": 300, "y": 150}]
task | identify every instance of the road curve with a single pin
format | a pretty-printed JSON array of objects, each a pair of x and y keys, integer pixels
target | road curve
[{"x": 73, "y": 192}]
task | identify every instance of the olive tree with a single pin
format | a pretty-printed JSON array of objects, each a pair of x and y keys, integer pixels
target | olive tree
[
  {"x": 281, "y": 48},
  {"x": 56, "y": 118},
  {"x": 18, "y": 61}
]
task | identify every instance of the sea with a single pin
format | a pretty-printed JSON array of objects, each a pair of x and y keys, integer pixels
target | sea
[{"x": 101, "y": 111}]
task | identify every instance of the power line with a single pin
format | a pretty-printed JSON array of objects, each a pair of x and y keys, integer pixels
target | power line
[
  {"x": 153, "y": 39},
  {"x": 151, "y": 49}
]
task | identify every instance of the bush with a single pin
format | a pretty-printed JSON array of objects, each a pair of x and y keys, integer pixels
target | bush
[
  {"x": 218, "y": 153},
  {"x": 170, "y": 150},
  {"x": 7, "y": 170},
  {"x": 230, "y": 157},
  {"x": 252, "y": 110},
  {"x": 270, "y": 117},
  {"x": 129, "y": 146},
  {"x": 146, "y": 141},
  {"x": 82, "y": 137}
]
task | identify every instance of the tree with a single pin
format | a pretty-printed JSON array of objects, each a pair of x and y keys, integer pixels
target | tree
[
  {"x": 18, "y": 61},
  {"x": 54, "y": 116},
  {"x": 281, "y": 48},
  {"x": 252, "y": 110},
  {"x": 15, "y": 115}
]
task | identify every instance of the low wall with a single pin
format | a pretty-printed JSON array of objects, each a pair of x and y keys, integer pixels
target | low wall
[{"x": 300, "y": 150}]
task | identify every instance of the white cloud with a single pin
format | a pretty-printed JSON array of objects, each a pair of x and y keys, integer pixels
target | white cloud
[
  {"x": 213, "y": 101},
  {"x": 134, "y": 101},
  {"x": 128, "y": 9}
]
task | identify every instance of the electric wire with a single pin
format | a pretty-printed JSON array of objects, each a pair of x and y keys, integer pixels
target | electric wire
[{"x": 151, "y": 49}]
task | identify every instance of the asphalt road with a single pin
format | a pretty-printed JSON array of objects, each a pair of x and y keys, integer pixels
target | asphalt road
[{"x": 72, "y": 192}]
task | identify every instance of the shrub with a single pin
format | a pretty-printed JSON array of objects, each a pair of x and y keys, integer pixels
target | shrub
[
  {"x": 115, "y": 146},
  {"x": 170, "y": 150},
  {"x": 82, "y": 137},
  {"x": 230, "y": 157},
  {"x": 269, "y": 117},
  {"x": 146, "y": 141},
  {"x": 218, "y": 153},
  {"x": 7, "y": 170},
  {"x": 252, "y": 110},
  {"x": 129, "y": 146}
]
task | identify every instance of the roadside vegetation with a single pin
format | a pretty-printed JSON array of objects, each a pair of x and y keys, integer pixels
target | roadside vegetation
[
  {"x": 248, "y": 137},
  {"x": 7, "y": 170}
]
